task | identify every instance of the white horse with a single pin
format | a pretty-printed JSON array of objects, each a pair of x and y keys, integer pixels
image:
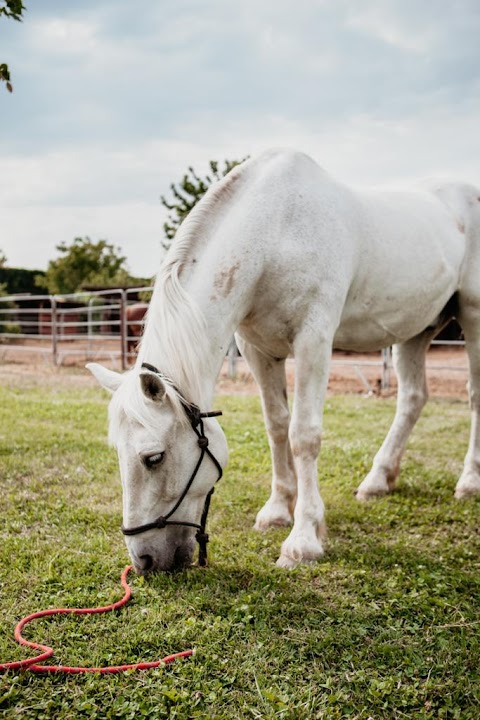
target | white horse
[{"x": 296, "y": 264}]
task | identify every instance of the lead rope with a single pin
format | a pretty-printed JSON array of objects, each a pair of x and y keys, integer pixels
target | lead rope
[
  {"x": 47, "y": 652},
  {"x": 196, "y": 421}
]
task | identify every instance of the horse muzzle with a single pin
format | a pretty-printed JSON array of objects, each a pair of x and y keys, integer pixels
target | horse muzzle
[{"x": 169, "y": 554}]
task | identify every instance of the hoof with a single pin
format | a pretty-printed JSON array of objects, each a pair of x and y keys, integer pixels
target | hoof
[
  {"x": 365, "y": 496},
  {"x": 265, "y": 524},
  {"x": 374, "y": 487},
  {"x": 300, "y": 550},
  {"x": 286, "y": 563},
  {"x": 468, "y": 486},
  {"x": 464, "y": 493},
  {"x": 272, "y": 515}
]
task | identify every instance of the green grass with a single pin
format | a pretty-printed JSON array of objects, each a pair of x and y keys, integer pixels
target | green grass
[{"x": 386, "y": 626}]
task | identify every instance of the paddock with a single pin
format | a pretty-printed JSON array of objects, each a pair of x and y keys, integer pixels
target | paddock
[
  {"x": 70, "y": 330},
  {"x": 386, "y": 626}
]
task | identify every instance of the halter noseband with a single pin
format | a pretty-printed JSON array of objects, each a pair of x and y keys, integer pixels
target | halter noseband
[{"x": 196, "y": 421}]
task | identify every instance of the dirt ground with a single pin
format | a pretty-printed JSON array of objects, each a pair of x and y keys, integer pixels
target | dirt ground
[{"x": 447, "y": 373}]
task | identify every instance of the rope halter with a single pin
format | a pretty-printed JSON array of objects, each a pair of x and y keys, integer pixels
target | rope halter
[{"x": 195, "y": 417}]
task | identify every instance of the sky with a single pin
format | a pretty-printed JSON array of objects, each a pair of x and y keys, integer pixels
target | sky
[{"x": 114, "y": 100}]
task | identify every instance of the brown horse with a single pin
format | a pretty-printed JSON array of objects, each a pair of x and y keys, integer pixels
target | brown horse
[{"x": 135, "y": 322}]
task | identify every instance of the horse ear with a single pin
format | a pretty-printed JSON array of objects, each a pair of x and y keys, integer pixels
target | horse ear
[
  {"x": 108, "y": 379},
  {"x": 152, "y": 386}
]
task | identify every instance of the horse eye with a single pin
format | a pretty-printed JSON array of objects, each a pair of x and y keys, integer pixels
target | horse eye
[{"x": 152, "y": 461}]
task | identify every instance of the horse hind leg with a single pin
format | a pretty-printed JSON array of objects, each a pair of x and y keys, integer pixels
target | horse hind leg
[
  {"x": 409, "y": 364},
  {"x": 469, "y": 318},
  {"x": 270, "y": 377}
]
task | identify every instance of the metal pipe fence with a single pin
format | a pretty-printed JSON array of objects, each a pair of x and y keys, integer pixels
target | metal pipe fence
[
  {"x": 93, "y": 325},
  {"x": 105, "y": 325}
]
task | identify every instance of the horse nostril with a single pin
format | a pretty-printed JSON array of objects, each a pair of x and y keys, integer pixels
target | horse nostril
[
  {"x": 181, "y": 558},
  {"x": 145, "y": 563}
]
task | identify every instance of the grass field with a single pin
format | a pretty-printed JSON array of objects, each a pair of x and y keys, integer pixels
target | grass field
[{"x": 387, "y": 626}]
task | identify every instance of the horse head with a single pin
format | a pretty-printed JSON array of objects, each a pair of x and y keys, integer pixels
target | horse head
[{"x": 170, "y": 456}]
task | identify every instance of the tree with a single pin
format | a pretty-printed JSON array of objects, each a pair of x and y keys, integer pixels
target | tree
[
  {"x": 3, "y": 260},
  {"x": 10, "y": 9},
  {"x": 187, "y": 194},
  {"x": 86, "y": 263}
]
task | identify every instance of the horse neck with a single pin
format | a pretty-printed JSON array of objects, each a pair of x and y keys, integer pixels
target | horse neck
[{"x": 196, "y": 307}]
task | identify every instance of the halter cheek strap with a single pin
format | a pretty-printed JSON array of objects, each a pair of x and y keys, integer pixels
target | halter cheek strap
[{"x": 195, "y": 417}]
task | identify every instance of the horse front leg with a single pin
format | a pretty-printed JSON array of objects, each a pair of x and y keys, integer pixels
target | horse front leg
[
  {"x": 312, "y": 362},
  {"x": 270, "y": 377},
  {"x": 409, "y": 364}
]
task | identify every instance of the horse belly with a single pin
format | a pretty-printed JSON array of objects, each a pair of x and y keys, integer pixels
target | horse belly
[
  {"x": 408, "y": 271},
  {"x": 363, "y": 334},
  {"x": 395, "y": 312}
]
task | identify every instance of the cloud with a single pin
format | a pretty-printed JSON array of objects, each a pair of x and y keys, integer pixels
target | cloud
[
  {"x": 93, "y": 176},
  {"x": 112, "y": 104},
  {"x": 115, "y": 75},
  {"x": 389, "y": 23},
  {"x": 32, "y": 235},
  {"x": 56, "y": 37}
]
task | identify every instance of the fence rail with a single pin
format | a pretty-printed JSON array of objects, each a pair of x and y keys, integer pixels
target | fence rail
[
  {"x": 106, "y": 325},
  {"x": 87, "y": 326}
]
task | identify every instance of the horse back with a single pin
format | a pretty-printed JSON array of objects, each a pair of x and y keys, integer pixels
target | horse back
[{"x": 378, "y": 266}]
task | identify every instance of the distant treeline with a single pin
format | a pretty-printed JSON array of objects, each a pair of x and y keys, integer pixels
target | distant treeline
[{"x": 19, "y": 280}]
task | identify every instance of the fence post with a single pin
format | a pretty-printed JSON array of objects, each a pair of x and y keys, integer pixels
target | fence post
[
  {"x": 386, "y": 367},
  {"x": 53, "y": 328},
  {"x": 232, "y": 355},
  {"x": 123, "y": 329},
  {"x": 89, "y": 326}
]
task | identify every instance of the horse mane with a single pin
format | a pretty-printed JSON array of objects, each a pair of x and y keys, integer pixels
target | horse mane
[
  {"x": 189, "y": 232},
  {"x": 175, "y": 338}
]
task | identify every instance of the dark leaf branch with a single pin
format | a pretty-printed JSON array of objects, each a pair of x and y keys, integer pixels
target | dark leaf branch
[
  {"x": 10, "y": 9},
  {"x": 5, "y": 76}
]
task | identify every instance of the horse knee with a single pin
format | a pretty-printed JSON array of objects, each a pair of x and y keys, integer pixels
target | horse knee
[
  {"x": 306, "y": 442},
  {"x": 278, "y": 433},
  {"x": 413, "y": 402},
  {"x": 473, "y": 390},
  {"x": 278, "y": 426}
]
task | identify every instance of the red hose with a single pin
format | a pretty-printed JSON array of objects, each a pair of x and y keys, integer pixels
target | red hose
[{"x": 32, "y": 663}]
